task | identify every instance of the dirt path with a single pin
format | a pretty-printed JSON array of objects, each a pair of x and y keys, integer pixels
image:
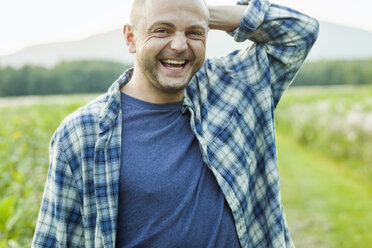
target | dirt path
[{"x": 327, "y": 205}]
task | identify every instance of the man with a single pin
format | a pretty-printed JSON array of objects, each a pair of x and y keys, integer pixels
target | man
[{"x": 181, "y": 150}]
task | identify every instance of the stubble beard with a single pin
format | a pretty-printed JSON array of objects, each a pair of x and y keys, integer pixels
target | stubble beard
[{"x": 168, "y": 86}]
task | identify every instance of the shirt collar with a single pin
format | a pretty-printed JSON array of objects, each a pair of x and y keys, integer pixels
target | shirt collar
[{"x": 113, "y": 104}]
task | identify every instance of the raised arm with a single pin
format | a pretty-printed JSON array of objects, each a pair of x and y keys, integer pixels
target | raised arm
[
  {"x": 225, "y": 17},
  {"x": 282, "y": 39}
]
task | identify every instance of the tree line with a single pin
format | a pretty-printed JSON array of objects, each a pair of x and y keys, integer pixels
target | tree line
[
  {"x": 96, "y": 76},
  {"x": 64, "y": 78},
  {"x": 335, "y": 72}
]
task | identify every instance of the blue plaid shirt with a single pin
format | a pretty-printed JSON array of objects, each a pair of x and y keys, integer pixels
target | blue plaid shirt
[{"x": 231, "y": 100}]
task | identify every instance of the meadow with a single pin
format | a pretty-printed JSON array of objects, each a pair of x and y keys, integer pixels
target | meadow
[
  {"x": 334, "y": 120},
  {"x": 27, "y": 124},
  {"x": 323, "y": 138}
]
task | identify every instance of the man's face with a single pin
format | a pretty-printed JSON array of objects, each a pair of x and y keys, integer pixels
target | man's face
[{"x": 170, "y": 43}]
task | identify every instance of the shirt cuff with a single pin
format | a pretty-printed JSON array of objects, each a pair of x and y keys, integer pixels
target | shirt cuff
[{"x": 253, "y": 16}]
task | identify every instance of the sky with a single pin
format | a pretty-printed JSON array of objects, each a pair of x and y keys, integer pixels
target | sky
[{"x": 25, "y": 23}]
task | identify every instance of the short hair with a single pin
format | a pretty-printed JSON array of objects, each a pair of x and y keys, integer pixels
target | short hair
[{"x": 137, "y": 7}]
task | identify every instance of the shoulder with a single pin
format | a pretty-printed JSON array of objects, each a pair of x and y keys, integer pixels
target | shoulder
[
  {"x": 229, "y": 69},
  {"x": 87, "y": 115},
  {"x": 81, "y": 125}
]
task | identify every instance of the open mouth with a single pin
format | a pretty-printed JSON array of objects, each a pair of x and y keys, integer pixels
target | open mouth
[{"x": 174, "y": 64}]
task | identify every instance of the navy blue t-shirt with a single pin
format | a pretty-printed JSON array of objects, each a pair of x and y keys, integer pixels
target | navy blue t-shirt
[{"x": 168, "y": 197}]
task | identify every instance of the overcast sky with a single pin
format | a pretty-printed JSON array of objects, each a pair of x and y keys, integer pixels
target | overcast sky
[{"x": 30, "y": 22}]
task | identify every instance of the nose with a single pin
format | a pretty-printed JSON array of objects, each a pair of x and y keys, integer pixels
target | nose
[{"x": 179, "y": 42}]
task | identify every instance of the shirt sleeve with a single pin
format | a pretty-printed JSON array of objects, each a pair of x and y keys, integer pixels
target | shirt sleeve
[
  {"x": 59, "y": 221},
  {"x": 282, "y": 39}
]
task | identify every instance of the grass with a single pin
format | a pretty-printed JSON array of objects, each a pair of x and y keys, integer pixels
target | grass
[
  {"x": 327, "y": 205},
  {"x": 24, "y": 137},
  {"x": 335, "y": 121}
]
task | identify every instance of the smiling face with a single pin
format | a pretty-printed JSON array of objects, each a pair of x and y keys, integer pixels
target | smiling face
[{"x": 169, "y": 41}]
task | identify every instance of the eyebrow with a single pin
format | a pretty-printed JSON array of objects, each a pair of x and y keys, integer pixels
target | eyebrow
[
  {"x": 171, "y": 25},
  {"x": 197, "y": 26},
  {"x": 161, "y": 23}
]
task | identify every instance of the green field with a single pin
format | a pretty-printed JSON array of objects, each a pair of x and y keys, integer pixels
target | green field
[
  {"x": 334, "y": 120},
  {"x": 327, "y": 204},
  {"x": 326, "y": 188}
]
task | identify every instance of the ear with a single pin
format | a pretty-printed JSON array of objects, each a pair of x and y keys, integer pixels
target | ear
[{"x": 129, "y": 38}]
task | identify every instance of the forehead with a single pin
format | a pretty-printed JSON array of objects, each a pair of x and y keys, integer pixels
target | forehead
[{"x": 176, "y": 11}]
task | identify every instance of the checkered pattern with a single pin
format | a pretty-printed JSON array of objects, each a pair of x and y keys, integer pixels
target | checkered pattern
[{"x": 231, "y": 100}]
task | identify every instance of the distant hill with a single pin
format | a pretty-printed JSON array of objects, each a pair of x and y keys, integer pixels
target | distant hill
[
  {"x": 335, "y": 42},
  {"x": 105, "y": 46},
  {"x": 340, "y": 42}
]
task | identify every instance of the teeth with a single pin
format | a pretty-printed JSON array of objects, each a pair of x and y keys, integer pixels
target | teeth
[
  {"x": 175, "y": 62},
  {"x": 173, "y": 68}
]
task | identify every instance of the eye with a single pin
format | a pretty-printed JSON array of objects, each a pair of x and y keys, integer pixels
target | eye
[
  {"x": 197, "y": 35},
  {"x": 160, "y": 31}
]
